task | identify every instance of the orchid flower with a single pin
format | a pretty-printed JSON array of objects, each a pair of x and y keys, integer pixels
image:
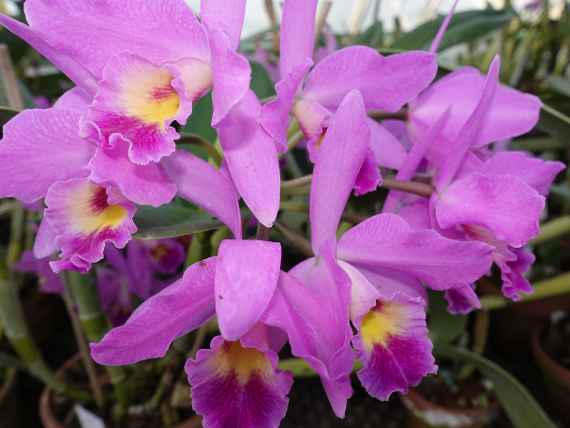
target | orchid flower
[
  {"x": 374, "y": 278},
  {"x": 42, "y": 156},
  {"x": 313, "y": 95},
  {"x": 49, "y": 282},
  {"x": 492, "y": 198},
  {"x": 139, "y": 67}
]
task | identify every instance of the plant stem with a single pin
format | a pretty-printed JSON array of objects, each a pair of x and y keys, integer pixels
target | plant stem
[
  {"x": 295, "y": 239},
  {"x": 17, "y": 332},
  {"x": 552, "y": 230},
  {"x": 82, "y": 345},
  {"x": 383, "y": 115},
  {"x": 547, "y": 288},
  {"x": 95, "y": 325},
  {"x": 262, "y": 233}
]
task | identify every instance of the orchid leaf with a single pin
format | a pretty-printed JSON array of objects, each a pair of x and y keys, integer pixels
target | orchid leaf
[
  {"x": 443, "y": 326},
  {"x": 261, "y": 82},
  {"x": 199, "y": 121},
  {"x": 555, "y": 123},
  {"x": 465, "y": 27},
  {"x": 6, "y": 113},
  {"x": 171, "y": 221},
  {"x": 521, "y": 408}
]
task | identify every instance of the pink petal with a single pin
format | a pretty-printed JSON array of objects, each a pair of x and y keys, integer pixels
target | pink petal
[
  {"x": 45, "y": 245},
  {"x": 340, "y": 158},
  {"x": 386, "y": 83},
  {"x": 246, "y": 278},
  {"x": 297, "y": 34},
  {"x": 176, "y": 310},
  {"x": 462, "y": 300},
  {"x": 386, "y": 241},
  {"x": 388, "y": 150},
  {"x": 40, "y": 147},
  {"x": 228, "y": 18},
  {"x": 505, "y": 205},
  {"x": 202, "y": 184}
]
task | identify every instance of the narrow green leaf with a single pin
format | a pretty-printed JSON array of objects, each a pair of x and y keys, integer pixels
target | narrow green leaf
[
  {"x": 555, "y": 123},
  {"x": 465, "y": 27},
  {"x": 520, "y": 406},
  {"x": 171, "y": 221}
]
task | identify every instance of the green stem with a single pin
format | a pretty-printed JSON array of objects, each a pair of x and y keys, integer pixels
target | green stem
[
  {"x": 17, "y": 332},
  {"x": 95, "y": 325},
  {"x": 552, "y": 230},
  {"x": 547, "y": 288}
]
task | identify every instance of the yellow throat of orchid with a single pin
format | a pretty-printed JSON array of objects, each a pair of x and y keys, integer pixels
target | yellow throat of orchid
[
  {"x": 244, "y": 362},
  {"x": 381, "y": 323}
]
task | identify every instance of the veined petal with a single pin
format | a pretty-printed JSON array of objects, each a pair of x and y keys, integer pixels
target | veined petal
[
  {"x": 176, "y": 310},
  {"x": 85, "y": 218},
  {"x": 45, "y": 245},
  {"x": 514, "y": 264},
  {"x": 394, "y": 347},
  {"x": 202, "y": 184},
  {"x": 297, "y": 34},
  {"x": 503, "y": 204},
  {"x": 74, "y": 99},
  {"x": 462, "y": 300},
  {"x": 233, "y": 385},
  {"x": 368, "y": 178},
  {"x": 94, "y": 32},
  {"x": 386, "y": 241},
  {"x": 141, "y": 184},
  {"x": 246, "y": 278},
  {"x": 535, "y": 172},
  {"x": 220, "y": 14},
  {"x": 340, "y": 158},
  {"x": 313, "y": 118},
  {"x": 40, "y": 147},
  {"x": 252, "y": 160},
  {"x": 386, "y": 83},
  {"x": 135, "y": 105},
  {"x": 65, "y": 62}
]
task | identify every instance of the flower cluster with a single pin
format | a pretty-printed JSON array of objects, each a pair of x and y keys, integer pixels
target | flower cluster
[{"x": 109, "y": 145}]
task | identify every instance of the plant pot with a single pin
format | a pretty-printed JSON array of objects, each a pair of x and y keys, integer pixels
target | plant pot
[
  {"x": 46, "y": 403},
  {"x": 556, "y": 379},
  {"x": 422, "y": 413}
]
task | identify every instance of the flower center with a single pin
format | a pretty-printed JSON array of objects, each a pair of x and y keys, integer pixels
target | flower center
[
  {"x": 381, "y": 323},
  {"x": 244, "y": 362}
]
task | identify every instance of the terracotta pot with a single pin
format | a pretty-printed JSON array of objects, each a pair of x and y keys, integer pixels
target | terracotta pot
[
  {"x": 556, "y": 379},
  {"x": 47, "y": 415},
  {"x": 422, "y": 413}
]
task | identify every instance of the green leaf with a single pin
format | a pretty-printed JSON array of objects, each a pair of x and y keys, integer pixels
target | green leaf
[
  {"x": 443, "y": 326},
  {"x": 520, "y": 406},
  {"x": 555, "y": 123},
  {"x": 200, "y": 120},
  {"x": 465, "y": 27},
  {"x": 261, "y": 82},
  {"x": 171, "y": 221},
  {"x": 6, "y": 113}
]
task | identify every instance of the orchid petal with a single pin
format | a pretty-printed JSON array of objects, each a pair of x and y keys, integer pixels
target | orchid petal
[
  {"x": 368, "y": 178},
  {"x": 233, "y": 384},
  {"x": 387, "y": 149},
  {"x": 141, "y": 184},
  {"x": 252, "y": 159},
  {"x": 340, "y": 158},
  {"x": 94, "y": 32},
  {"x": 45, "y": 245},
  {"x": 388, "y": 242},
  {"x": 202, "y": 184},
  {"x": 246, "y": 278},
  {"x": 219, "y": 14},
  {"x": 148, "y": 333},
  {"x": 504, "y": 204},
  {"x": 40, "y": 147},
  {"x": 462, "y": 300},
  {"x": 297, "y": 34},
  {"x": 386, "y": 83}
]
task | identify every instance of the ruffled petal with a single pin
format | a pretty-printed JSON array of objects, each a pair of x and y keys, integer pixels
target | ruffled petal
[
  {"x": 246, "y": 278},
  {"x": 514, "y": 264},
  {"x": 394, "y": 347},
  {"x": 251, "y": 158},
  {"x": 176, "y": 310},
  {"x": 503, "y": 204},
  {"x": 38, "y": 148},
  {"x": 386, "y": 241},
  {"x": 340, "y": 158},
  {"x": 135, "y": 105},
  {"x": 386, "y": 83},
  {"x": 462, "y": 300},
  {"x": 85, "y": 217},
  {"x": 203, "y": 185},
  {"x": 237, "y": 386},
  {"x": 141, "y": 184},
  {"x": 93, "y": 32}
]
